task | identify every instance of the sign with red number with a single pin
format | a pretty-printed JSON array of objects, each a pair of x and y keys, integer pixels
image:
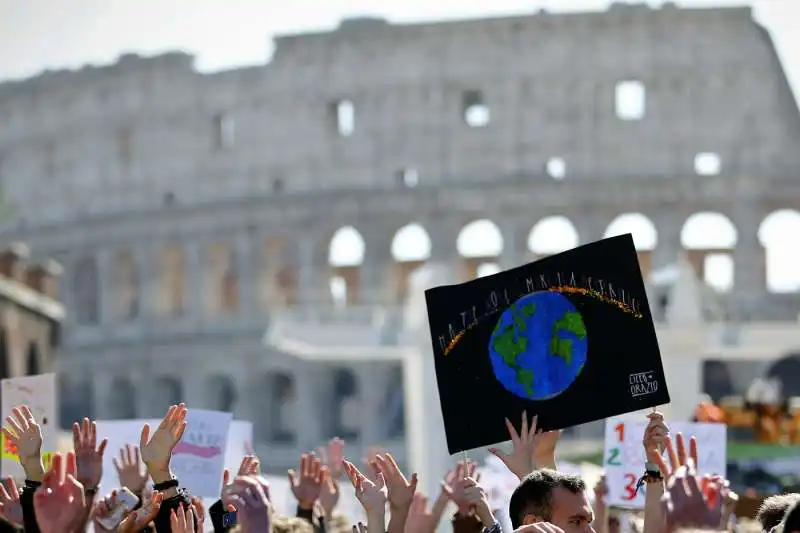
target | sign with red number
[{"x": 624, "y": 458}]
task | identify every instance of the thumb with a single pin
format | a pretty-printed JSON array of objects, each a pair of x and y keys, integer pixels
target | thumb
[
  {"x": 145, "y": 437},
  {"x": 292, "y": 478},
  {"x": 500, "y": 455},
  {"x": 447, "y": 489},
  {"x": 226, "y": 477},
  {"x": 413, "y": 482}
]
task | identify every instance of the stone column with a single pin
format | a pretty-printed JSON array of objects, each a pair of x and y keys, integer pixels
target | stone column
[
  {"x": 313, "y": 273},
  {"x": 749, "y": 266},
  {"x": 195, "y": 282},
  {"x": 105, "y": 286},
  {"x": 247, "y": 284},
  {"x": 371, "y": 381},
  {"x": 668, "y": 249},
  {"x": 376, "y": 274},
  {"x": 309, "y": 407},
  {"x": 514, "y": 244},
  {"x": 146, "y": 257}
]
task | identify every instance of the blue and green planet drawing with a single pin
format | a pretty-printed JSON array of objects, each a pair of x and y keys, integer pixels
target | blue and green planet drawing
[{"x": 539, "y": 346}]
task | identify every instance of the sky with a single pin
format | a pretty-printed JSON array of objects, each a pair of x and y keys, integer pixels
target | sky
[{"x": 222, "y": 34}]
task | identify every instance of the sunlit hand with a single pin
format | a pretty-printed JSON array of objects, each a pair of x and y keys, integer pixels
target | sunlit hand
[
  {"x": 307, "y": 483},
  {"x": 454, "y": 490},
  {"x": 88, "y": 455},
  {"x": 522, "y": 460},
  {"x": 24, "y": 433},
  {"x": 183, "y": 520},
  {"x": 129, "y": 469},
  {"x": 249, "y": 495},
  {"x": 400, "y": 490},
  {"x": 157, "y": 450},
  {"x": 59, "y": 503},
  {"x": 332, "y": 456},
  {"x": 10, "y": 508},
  {"x": 420, "y": 519},
  {"x": 476, "y": 497},
  {"x": 329, "y": 495},
  {"x": 655, "y": 435},
  {"x": 371, "y": 495},
  {"x": 676, "y": 459},
  {"x": 686, "y": 506}
]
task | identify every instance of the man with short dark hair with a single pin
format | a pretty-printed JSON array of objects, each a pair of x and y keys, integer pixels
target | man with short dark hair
[
  {"x": 774, "y": 508},
  {"x": 549, "y": 496}
]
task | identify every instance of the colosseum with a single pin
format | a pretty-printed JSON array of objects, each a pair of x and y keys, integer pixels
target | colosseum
[{"x": 195, "y": 212}]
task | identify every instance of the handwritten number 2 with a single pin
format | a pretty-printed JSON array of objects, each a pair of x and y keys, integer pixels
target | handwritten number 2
[
  {"x": 613, "y": 457},
  {"x": 630, "y": 487}
]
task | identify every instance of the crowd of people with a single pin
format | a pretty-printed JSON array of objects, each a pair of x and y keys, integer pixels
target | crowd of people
[{"x": 66, "y": 497}]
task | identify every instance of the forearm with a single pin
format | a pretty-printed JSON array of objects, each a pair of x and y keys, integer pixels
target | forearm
[
  {"x": 653, "y": 509},
  {"x": 33, "y": 467},
  {"x": 376, "y": 522},
  {"x": 397, "y": 522},
  {"x": 162, "y": 475},
  {"x": 600, "y": 518}
]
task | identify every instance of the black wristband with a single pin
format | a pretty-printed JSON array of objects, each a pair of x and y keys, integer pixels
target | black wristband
[
  {"x": 33, "y": 484},
  {"x": 169, "y": 484}
]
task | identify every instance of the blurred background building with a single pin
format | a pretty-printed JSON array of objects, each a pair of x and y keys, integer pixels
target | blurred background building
[{"x": 209, "y": 223}]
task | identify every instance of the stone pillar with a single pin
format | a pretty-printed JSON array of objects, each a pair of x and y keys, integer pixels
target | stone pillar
[
  {"x": 246, "y": 255},
  {"x": 105, "y": 286},
  {"x": 371, "y": 386},
  {"x": 668, "y": 249},
  {"x": 591, "y": 227},
  {"x": 514, "y": 244},
  {"x": 146, "y": 259},
  {"x": 313, "y": 273},
  {"x": 195, "y": 280},
  {"x": 309, "y": 433},
  {"x": 749, "y": 267},
  {"x": 376, "y": 276}
]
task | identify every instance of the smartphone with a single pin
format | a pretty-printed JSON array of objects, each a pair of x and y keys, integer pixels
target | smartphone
[
  {"x": 229, "y": 519},
  {"x": 126, "y": 501}
]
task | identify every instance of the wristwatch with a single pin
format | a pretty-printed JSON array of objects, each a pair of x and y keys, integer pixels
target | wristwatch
[{"x": 494, "y": 528}]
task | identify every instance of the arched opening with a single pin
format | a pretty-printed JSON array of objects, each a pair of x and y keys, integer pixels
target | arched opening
[
  {"x": 411, "y": 247},
  {"x": 478, "y": 243},
  {"x": 282, "y": 408},
  {"x": 279, "y": 280},
  {"x": 86, "y": 291},
  {"x": 122, "y": 401},
  {"x": 166, "y": 391},
  {"x": 125, "y": 280},
  {"x": 33, "y": 367},
  {"x": 787, "y": 372},
  {"x": 781, "y": 254},
  {"x": 346, "y": 406},
  {"x": 394, "y": 406},
  {"x": 75, "y": 400},
  {"x": 709, "y": 239},
  {"x": 221, "y": 275},
  {"x": 171, "y": 278},
  {"x": 221, "y": 394},
  {"x": 645, "y": 236},
  {"x": 717, "y": 381},
  {"x": 345, "y": 257},
  {"x": 552, "y": 235}
]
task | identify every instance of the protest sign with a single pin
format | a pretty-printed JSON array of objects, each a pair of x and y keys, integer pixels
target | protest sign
[
  {"x": 570, "y": 329},
  {"x": 624, "y": 458},
  {"x": 39, "y": 394}
]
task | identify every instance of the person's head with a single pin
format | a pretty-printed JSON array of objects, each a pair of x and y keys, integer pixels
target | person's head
[
  {"x": 774, "y": 508},
  {"x": 791, "y": 520},
  {"x": 291, "y": 524},
  {"x": 550, "y": 496}
]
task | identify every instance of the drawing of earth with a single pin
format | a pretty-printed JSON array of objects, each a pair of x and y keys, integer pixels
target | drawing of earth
[{"x": 538, "y": 347}]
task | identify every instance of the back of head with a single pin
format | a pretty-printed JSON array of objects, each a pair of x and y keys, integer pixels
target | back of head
[
  {"x": 291, "y": 524},
  {"x": 534, "y": 494},
  {"x": 791, "y": 520},
  {"x": 774, "y": 508}
]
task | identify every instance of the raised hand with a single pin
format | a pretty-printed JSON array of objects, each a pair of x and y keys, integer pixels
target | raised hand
[
  {"x": 329, "y": 495},
  {"x": 59, "y": 503},
  {"x": 10, "y": 508},
  {"x": 307, "y": 483},
  {"x": 250, "y": 466},
  {"x": 455, "y": 490},
  {"x": 249, "y": 495},
  {"x": 332, "y": 456},
  {"x": 135, "y": 522},
  {"x": 88, "y": 455},
  {"x": 182, "y": 520},
  {"x": 400, "y": 490},
  {"x": 420, "y": 519},
  {"x": 522, "y": 460},
  {"x": 686, "y": 506},
  {"x": 474, "y": 496},
  {"x": 129, "y": 469},
  {"x": 25, "y": 434},
  {"x": 157, "y": 450},
  {"x": 371, "y": 495},
  {"x": 655, "y": 436}
]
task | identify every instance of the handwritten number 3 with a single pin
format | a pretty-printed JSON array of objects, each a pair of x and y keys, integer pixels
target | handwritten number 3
[{"x": 630, "y": 487}]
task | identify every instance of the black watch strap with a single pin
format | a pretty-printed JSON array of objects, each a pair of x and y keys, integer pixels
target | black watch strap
[
  {"x": 169, "y": 484},
  {"x": 33, "y": 484}
]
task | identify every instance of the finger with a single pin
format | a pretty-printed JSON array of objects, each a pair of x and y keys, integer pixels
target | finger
[
  {"x": 658, "y": 460},
  {"x": 412, "y": 483},
  {"x": 693, "y": 451},
  {"x": 682, "y": 455},
  {"x": 71, "y": 464},
  {"x": 127, "y": 454},
  {"x": 77, "y": 440},
  {"x": 101, "y": 450},
  {"x": 534, "y": 425},
  {"x": 117, "y": 466},
  {"x": 21, "y": 420},
  {"x": 144, "y": 437},
  {"x": 226, "y": 477},
  {"x": 93, "y": 434},
  {"x": 3, "y": 493},
  {"x": 673, "y": 457},
  {"x": 512, "y": 432},
  {"x": 524, "y": 427},
  {"x": 12, "y": 488}
]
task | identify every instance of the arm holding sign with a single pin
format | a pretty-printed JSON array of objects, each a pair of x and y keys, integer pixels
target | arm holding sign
[{"x": 655, "y": 436}]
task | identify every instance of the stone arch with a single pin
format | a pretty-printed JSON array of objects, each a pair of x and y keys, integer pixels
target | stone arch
[
  {"x": 75, "y": 400},
  {"x": 775, "y": 234},
  {"x": 480, "y": 244},
  {"x": 221, "y": 393},
  {"x": 86, "y": 291},
  {"x": 645, "y": 236},
  {"x": 552, "y": 235},
  {"x": 787, "y": 371},
  {"x": 411, "y": 248},
  {"x": 394, "y": 405},
  {"x": 170, "y": 300},
  {"x": 125, "y": 282},
  {"x": 166, "y": 391},
  {"x": 709, "y": 239},
  {"x": 346, "y": 404},
  {"x": 122, "y": 399},
  {"x": 282, "y": 403},
  {"x": 345, "y": 257},
  {"x": 279, "y": 266},
  {"x": 221, "y": 275},
  {"x": 33, "y": 360}
]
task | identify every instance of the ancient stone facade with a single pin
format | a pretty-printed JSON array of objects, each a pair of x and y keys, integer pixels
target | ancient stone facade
[{"x": 193, "y": 211}]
